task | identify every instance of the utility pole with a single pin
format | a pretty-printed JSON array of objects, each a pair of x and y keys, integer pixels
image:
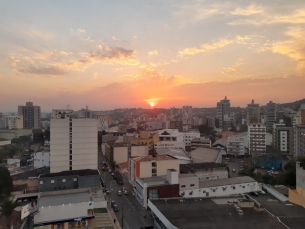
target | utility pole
[{"x": 122, "y": 215}]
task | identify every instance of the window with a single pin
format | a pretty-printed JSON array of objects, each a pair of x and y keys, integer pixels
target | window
[
  {"x": 192, "y": 185},
  {"x": 154, "y": 164},
  {"x": 207, "y": 178},
  {"x": 153, "y": 193},
  {"x": 74, "y": 179},
  {"x": 182, "y": 186},
  {"x": 63, "y": 180},
  {"x": 41, "y": 182},
  {"x": 52, "y": 181}
]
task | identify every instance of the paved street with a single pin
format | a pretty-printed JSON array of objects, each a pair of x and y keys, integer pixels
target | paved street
[{"x": 133, "y": 211}]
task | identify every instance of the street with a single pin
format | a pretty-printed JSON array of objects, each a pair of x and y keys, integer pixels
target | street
[{"x": 133, "y": 212}]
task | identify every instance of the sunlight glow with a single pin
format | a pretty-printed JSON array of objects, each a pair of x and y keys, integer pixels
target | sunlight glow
[{"x": 152, "y": 104}]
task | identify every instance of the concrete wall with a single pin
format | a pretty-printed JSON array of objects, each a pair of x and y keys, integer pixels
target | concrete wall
[
  {"x": 163, "y": 166},
  {"x": 146, "y": 169},
  {"x": 120, "y": 154},
  {"x": 88, "y": 181},
  {"x": 275, "y": 193},
  {"x": 169, "y": 145},
  {"x": 41, "y": 159},
  {"x": 211, "y": 174},
  {"x": 58, "y": 184},
  {"x": 186, "y": 180},
  {"x": 139, "y": 151}
]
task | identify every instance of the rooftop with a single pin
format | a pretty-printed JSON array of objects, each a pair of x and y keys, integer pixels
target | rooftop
[
  {"x": 225, "y": 181},
  {"x": 153, "y": 179},
  {"x": 47, "y": 201},
  {"x": 209, "y": 213},
  {"x": 83, "y": 172},
  {"x": 205, "y": 154},
  {"x": 118, "y": 144},
  {"x": 221, "y": 141},
  {"x": 151, "y": 158},
  {"x": 193, "y": 167}
]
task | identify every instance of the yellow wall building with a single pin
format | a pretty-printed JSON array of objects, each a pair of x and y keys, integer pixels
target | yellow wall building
[
  {"x": 146, "y": 138},
  {"x": 298, "y": 196}
]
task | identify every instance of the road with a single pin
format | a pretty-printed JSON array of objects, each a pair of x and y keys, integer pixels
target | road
[{"x": 133, "y": 212}]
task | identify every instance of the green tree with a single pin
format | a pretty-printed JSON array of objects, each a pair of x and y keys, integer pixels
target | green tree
[
  {"x": 6, "y": 183},
  {"x": 7, "y": 209}
]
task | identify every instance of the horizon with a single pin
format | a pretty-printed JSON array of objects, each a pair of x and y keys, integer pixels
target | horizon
[{"x": 134, "y": 54}]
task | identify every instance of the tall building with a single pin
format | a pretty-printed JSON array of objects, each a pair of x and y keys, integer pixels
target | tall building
[
  {"x": 271, "y": 115},
  {"x": 2, "y": 121},
  {"x": 299, "y": 140},
  {"x": 161, "y": 117},
  {"x": 223, "y": 108},
  {"x": 303, "y": 114},
  {"x": 210, "y": 121},
  {"x": 102, "y": 121},
  {"x": 31, "y": 115},
  {"x": 282, "y": 138},
  {"x": 85, "y": 113},
  {"x": 73, "y": 142},
  {"x": 257, "y": 138},
  {"x": 253, "y": 113},
  {"x": 176, "y": 125},
  {"x": 14, "y": 122}
]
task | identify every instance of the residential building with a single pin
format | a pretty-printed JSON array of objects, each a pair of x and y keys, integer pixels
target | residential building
[
  {"x": 297, "y": 196},
  {"x": 206, "y": 154},
  {"x": 157, "y": 187},
  {"x": 69, "y": 180},
  {"x": 210, "y": 121},
  {"x": 45, "y": 124},
  {"x": 31, "y": 115},
  {"x": 161, "y": 117},
  {"x": 205, "y": 171},
  {"x": 189, "y": 136},
  {"x": 117, "y": 152},
  {"x": 176, "y": 136},
  {"x": 257, "y": 138},
  {"x": 220, "y": 143},
  {"x": 13, "y": 163},
  {"x": 302, "y": 114},
  {"x": 236, "y": 146},
  {"x": 253, "y": 113},
  {"x": 299, "y": 140},
  {"x": 73, "y": 142},
  {"x": 191, "y": 186},
  {"x": 270, "y": 115},
  {"x": 14, "y": 122},
  {"x": 179, "y": 154},
  {"x": 200, "y": 142},
  {"x": 4, "y": 142},
  {"x": 10, "y": 134},
  {"x": 150, "y": 166},
  {"x": 187, "y": 110},
  {"x": 176, "y": 125},
  {"x": 102, "y": 121},
  {"x": 154, "y": 125},
  {"x": 41, "y": 159},
  {"x": 169, "y": 145},
  {"x": 146, "y": 138},
  {"x": 283, "y": 139},
  {"x": 223, "y": 108},
  {"x": 2, "y": 121},
  {"x": 85, "y": 113}
]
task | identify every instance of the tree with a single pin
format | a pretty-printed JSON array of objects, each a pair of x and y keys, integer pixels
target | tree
[
  {"x": 46, "y": 135},
  {"x": 7, "y": 209},
  {"x": 6, "y": 183}
]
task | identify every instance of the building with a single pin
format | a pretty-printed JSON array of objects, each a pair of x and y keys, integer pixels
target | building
[
  {"x": 146, "y": 138},
  {"x": 14, "y": 122},
  {"x": 174, "y": 135},
  {"x": 220, "y": 143},
  {"x": 191, "y": 186},
  {"x": 223, "y": 212},
  {"x": 69, "y": 180},
  {"x": 102, "y": 121},
  {"x": 205, "y": 171},
  {"x": 73, "y": 142},
  {"x": 162, "y": 117},
  {"x": 154, "y": 125},
  {"x": 150, "y": 166},
  {"x": 13, "y": 163},
  {"x": 64, "y": 209},
  {"x": 10, "y": 134},
  {"x": 117, "y": 152},
  {"x": 223, "y": 108},
  {"x": 257, "y": 138},
  {"x": 31, "y": 115},
  {"x": 169, "y": 145},
  {"x": 157, "y": 187},
  {"x": 283, "y": 139},
  {"x": 179, "y": 154},
  {"x": 206, "y": 154},
  {"x": 41, "y": 159},
  {"x": 200, "y": 142},
  {"x": 189, "y": 136},
  {"x": 253, "y": 113},
  {"x": 297, "y": 196},
  {"x": 85, "y": 113},
  {"x": 4, "y": 142},
  {"x": 270, "y": 115},
  {"x": 176, "y": 125},
  {"x": 302, "y": 114},
  {"x": 2, "y": 121},
  {"x": 210, "y": 121},
  {"x": 299, "y": 140},
  {"x": 236, "y": 146}
]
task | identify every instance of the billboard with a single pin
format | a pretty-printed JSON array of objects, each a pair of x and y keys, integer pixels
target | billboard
[{"x": 29, "y": 208}]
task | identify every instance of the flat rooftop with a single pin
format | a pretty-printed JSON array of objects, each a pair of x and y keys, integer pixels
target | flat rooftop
[
  {"x": 195, "y": 213},
  {"x": 225, "y": 181},
  {"x": 82, "y": 172},
  {"x": 151, "y": 158},
  {"x": 193, "y": 167},
  {"x": 205, "y": 154},
  {"x": 46, "y": 201}
]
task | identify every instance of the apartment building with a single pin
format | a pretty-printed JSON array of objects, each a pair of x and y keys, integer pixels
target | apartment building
[
  {"x": 270, "y": 115},
  {"x": 200, "y": 142},
  {"x": 223, "y": 108},
  {"x": 150, "y": 166},
  {"x": 283, "y": 139},
  {"x": 73, "y": 142},
  {"x": 14, "y": 121},
  {"x": 253, "y": 113},
  {"x": 31, "y": 115},
  {"x": 299, "y": 140},
  {"x": 117, "y": 151},
  {"x": 257, "y": 138},
  {"x": 146, "y": 138},
  {"x": 236, "y": 146}
]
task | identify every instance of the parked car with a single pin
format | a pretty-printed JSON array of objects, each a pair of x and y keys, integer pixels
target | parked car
[
  {"x": 254, "y": 194},
  {"x": 261, "y": 192},
  {"x": 107, "y": 191},
  {"x": 113, "y": 203},
  {"x": 119, "y": 192},
  {"x": 104, "y": 162},
  {"x": 125, "y": 192},
  {"x": 115, "y": 208},
  {"x": 103, "y": 168},
  {"x": 112, "y": 174}
]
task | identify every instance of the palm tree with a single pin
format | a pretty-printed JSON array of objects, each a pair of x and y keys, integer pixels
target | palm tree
[{"x": 7, "y": 209}]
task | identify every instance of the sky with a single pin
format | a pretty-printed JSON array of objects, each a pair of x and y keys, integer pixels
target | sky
[{"x": 120, "y": 54}]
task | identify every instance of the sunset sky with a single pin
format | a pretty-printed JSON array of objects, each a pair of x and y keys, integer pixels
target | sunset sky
[{"x": 117, "y": 54}]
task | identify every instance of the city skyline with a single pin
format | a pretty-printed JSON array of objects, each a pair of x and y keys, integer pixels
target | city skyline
[{"x": 134, "y": 54}]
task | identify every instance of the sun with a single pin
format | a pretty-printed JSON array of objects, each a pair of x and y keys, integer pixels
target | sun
[{"x": 152, "y": 104}]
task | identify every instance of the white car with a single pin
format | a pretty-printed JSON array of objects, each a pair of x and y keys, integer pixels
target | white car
[
  {"x": 261, "y": 192},
  {"x": 275, "y": 172}
]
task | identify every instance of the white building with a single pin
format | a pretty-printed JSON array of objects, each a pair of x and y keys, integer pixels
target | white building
[
  {"x": 41, "y": 159},
  {"x": 14, "y": 122},
  {"x": 13, "y": 162},
  {"x": 257, "y": 138},
  {"x": 169, "y": 145},
  {"x": 200, "y": 142},
  {"x": 154, "y": 125},
  {"x": 73, "y": 142},
  {"x": 236, "y": 146},
  {"x": 190, "y": 186},
  {"x": 176, "y": 136},
  {"x": 102, "y": 121},
  {"x": 4, "y": 142},
  {"x": 189, "y": 136},
  {"x": 299, "y": 140}
]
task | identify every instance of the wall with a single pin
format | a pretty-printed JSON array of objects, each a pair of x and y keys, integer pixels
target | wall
[
  {"x": 210, "y": 174},
  {"x": 58, "y": 184},
  {"x": 296, "y": 197},
  {"x": 88, "y": 181},
  {"x": 164, "y": 191},
  {"x": 275, "y": 193},
  {"x": 41, "y": 159},
  {"x": 146, "y": 169},
  {"x": 169, "y": 145},
  {"x": 139, "y": 151},
  {"x": 186, "y": 180},
  {"x": 120, "y": 154},
  {"x": 164, "y": 165}
]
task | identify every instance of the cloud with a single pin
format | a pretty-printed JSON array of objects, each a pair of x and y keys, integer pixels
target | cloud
[
  {"x": 81, "y": 31},
  {"x": 250, "y": 10},
  {"x": 13, "y": 61},
  {"x": 268, "y": 17},
  {"x": 235, "y": 68},
  {"x": 114, "y": 38},
  {"x": 294, "y": 48},
  {"x": 212, "y": 47},
  {"x": 1, "y": 77},
  {"x": 154, "y": 52},
  {"x": 96, "y": 75},
  {"x": 42, "y": 70},
  {"x": 135, "y": 37},
  {"x": 78, "y": 65}
]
